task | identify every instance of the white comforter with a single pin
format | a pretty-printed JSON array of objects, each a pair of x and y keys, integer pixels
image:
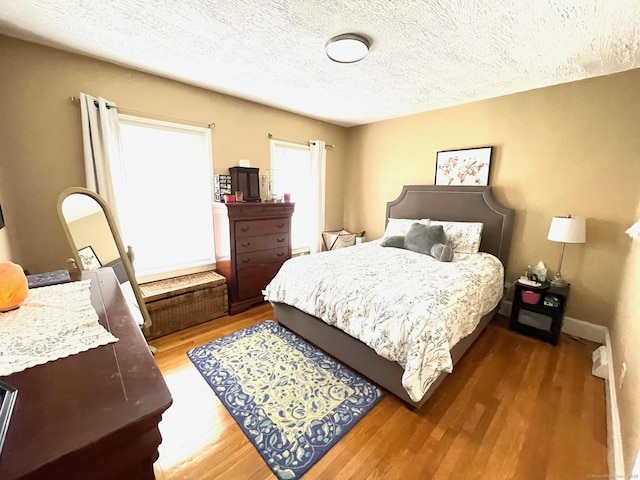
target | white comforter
[{"x": 408, "y": 307}]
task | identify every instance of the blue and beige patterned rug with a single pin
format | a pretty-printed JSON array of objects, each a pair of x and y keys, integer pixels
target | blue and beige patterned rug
[{"x": 291, "y": 400}]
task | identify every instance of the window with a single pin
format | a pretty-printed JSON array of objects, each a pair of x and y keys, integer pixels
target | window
[
  {"x": 163, "y": 197},
  {"x": 292, "y": 167}
]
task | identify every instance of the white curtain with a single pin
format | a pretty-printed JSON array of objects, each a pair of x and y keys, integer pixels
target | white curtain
[
  {"x": 101, "y": 141},
  {"x": 318, "y": 171}
]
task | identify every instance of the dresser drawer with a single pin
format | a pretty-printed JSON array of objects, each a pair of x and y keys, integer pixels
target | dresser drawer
[
  {"x": 251, "y": 281},
  {"x": 252, "y": 259},
  {"x": 250, "y": 228},
  {"x": 265, "y": 242}
]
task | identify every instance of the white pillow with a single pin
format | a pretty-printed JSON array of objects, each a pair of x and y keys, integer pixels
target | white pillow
[
  {"x": 464, "y": 237},
  {"x": 400, "y": 226}
]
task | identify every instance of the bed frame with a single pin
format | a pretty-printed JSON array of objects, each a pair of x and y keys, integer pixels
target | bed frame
[{"x": 445, "y": 203}]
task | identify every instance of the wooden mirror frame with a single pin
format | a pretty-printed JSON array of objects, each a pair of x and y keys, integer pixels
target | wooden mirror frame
[
  {"x": 124, "y": 257},
  {"x": 7, "y": 401}
]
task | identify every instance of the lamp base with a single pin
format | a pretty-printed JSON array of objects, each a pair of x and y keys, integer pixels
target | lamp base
[{"x": 558, "y": 281}]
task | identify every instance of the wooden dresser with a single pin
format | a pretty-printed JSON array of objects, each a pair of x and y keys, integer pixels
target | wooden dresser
[
  {"x": 252, "y": 241},
  {"x": 94, "y": 414}
]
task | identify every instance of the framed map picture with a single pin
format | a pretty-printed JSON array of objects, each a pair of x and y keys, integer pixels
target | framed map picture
[{"x": 469, "y": 166}]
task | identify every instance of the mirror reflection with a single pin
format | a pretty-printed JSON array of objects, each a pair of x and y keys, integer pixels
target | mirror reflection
[
  {"x": 95, "y": 241},
  {"x": 88, "y": 226}
]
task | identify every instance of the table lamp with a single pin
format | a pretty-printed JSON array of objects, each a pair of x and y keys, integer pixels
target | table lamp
[
  {"x": 567, "y": 229},
  {"x": 634, "y": 231}
]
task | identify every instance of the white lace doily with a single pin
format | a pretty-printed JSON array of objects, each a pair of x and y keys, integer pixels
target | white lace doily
[{"x": 53, "y": 322}]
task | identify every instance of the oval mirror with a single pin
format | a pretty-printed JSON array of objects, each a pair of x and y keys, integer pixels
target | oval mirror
[{"x": 95, "y": 240}]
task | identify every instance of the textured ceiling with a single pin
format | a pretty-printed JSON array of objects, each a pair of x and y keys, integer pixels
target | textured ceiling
[{"x": 425, "y": 54}]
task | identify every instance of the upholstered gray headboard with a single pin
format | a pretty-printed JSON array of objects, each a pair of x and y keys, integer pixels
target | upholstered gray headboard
[{"x": 459, "y": 204}]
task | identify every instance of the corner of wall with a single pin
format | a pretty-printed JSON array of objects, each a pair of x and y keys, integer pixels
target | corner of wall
[{"x": 615, "y": 456}]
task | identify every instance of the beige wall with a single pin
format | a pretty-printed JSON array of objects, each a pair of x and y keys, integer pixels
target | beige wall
[
  {"x": 41, "y": 145},
  {"x": 625, "y": 333},
  {"x": 568, "y": 149}
]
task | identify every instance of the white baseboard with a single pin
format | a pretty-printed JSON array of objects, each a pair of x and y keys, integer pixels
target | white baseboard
[
  {"x": 586, "y": 330},
  {"x": 615, "y": 456},
  {"x": 598, "y": 334}
]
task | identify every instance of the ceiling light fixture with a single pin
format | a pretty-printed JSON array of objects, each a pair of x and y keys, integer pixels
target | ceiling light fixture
[{"x": 347, "y": 48}]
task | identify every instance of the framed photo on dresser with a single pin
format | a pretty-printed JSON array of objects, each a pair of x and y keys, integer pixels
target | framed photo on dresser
[{"x": 89, "y": 258}]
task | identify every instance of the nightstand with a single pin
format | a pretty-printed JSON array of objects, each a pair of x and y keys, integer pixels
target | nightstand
[{"x": 542, "y": 319}]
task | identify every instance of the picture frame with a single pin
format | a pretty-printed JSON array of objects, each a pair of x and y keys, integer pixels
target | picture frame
[
  {"x": 7, "y": 401},
  {"x": 466, "y": 166},
  {"x": 89, "y": 258}
]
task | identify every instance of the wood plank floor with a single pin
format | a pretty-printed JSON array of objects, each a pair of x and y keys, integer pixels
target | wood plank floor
[{"x": 515, "y": 408}]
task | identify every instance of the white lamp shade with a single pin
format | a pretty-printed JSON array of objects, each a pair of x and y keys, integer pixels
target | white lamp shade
[
  {"x": 568, "y": 229},
  {"x": 634, "y": 231}
]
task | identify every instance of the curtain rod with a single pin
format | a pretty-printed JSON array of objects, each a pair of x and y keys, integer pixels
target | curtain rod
[
  {"x": 131, "y": 110},
  {"x": 270, "y": 135}
]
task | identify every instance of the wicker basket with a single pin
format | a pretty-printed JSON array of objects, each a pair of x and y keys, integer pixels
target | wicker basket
[{"x": 181, "y": 302}]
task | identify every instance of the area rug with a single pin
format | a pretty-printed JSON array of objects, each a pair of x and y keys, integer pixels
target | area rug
[{"x": 291, "y": 400}]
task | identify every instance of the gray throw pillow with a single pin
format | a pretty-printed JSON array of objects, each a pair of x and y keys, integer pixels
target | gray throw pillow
[
  {"x": 393, "y": 241},
  {"x": 421, "y": 238},
  {"x": 442, "y": 252}
]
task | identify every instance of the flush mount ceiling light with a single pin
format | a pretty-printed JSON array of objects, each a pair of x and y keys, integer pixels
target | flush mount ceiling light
[{"x": 347, "y": 48}]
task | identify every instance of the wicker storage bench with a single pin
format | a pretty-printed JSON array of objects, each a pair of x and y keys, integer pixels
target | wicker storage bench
[{"x": 181, "y": 302}]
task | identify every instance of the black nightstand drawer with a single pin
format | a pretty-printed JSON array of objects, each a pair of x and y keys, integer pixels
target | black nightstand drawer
[{"x": 535, "y": 320}]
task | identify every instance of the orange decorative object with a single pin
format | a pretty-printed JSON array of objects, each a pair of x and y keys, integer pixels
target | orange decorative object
[{"x": 13, "y": 286}]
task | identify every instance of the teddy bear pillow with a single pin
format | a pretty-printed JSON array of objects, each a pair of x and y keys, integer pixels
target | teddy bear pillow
[{"x": 426, "y": 239}]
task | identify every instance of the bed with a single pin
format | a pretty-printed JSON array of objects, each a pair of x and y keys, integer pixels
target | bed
[{"x": 438, "y": 203}]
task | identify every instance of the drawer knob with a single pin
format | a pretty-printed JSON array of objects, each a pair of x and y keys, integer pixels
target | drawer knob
[
  {"x": 245, "y": 260},
  {"x": 245, "y": 229},
  {"x": 279, "y": 240},
  {"x": 245, "y": 244},
  {"x": 280, "y": 254},
  {"x": 280, "y": 225}
]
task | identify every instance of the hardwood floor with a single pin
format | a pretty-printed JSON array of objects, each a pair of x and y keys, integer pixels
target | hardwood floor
[{"x": 515, "y": 408}]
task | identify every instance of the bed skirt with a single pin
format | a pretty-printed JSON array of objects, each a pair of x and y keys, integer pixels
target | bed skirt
[{"x": 361, "y": 357}]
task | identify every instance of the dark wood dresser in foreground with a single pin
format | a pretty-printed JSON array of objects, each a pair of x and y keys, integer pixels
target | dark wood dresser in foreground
[
  {"x": 252, "y": 242},
  {"x": 94, "y": 414}
]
